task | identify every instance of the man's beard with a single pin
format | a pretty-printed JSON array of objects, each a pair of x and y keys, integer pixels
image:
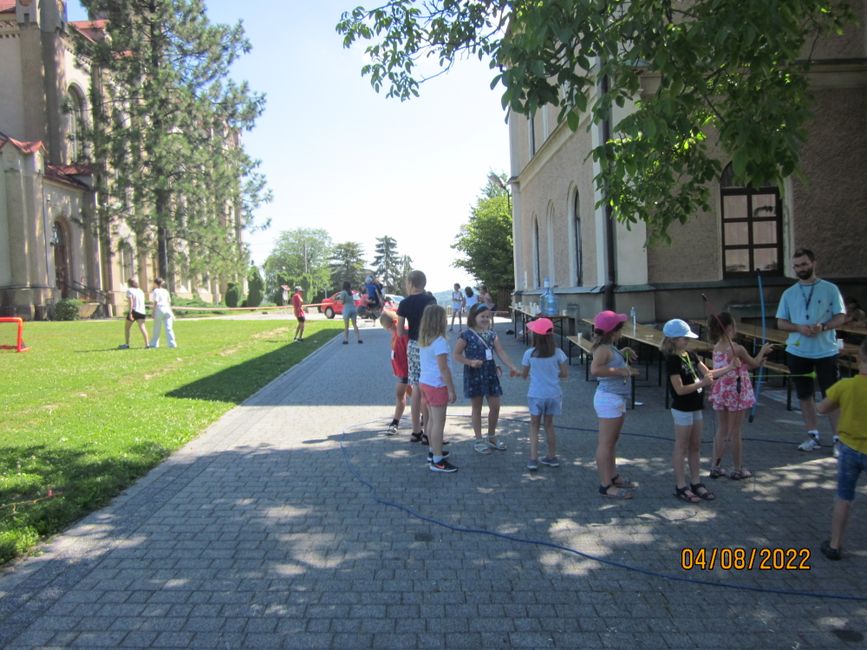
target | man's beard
[{"x": 806, "y": 274}]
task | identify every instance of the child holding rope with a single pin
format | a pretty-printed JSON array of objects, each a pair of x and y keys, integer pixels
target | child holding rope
[
  {"x": 610, "y": 366},
  {"x": 850, "y": 396},
  {"x": 435, "y": 381},
  {"x": 732, "y": 396},
  {"x": 687, "y": 379},
  {"x": 400, "y": 367},
  {"x": 545, "y": 364},
  {"x": 475, "y": 350}
]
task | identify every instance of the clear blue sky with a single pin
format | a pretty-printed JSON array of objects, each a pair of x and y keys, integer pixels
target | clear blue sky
[{"x": 341, "y": 157}]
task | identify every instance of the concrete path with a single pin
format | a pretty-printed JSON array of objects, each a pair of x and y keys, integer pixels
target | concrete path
[{"x": 295, "y": 522}]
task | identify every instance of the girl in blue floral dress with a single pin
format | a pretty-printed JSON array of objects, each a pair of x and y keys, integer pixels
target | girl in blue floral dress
[{"x": 475, "y": 349}]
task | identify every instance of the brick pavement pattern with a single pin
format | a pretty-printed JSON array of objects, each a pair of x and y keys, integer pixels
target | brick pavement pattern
[{"x": 295, "y": 522}]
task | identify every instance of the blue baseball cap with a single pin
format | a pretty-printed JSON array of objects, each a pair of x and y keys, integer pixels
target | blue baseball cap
[{"x": 676, "y": 328}]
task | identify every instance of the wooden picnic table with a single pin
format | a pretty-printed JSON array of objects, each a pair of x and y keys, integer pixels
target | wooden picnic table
[
  {"x": 750, "y": 331},
  {"x": 560, "y": 321},
  {"x": 652, "y": 338}
]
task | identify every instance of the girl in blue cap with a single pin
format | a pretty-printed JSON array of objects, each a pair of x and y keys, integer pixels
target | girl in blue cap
[{"x": 687, "y": 379}]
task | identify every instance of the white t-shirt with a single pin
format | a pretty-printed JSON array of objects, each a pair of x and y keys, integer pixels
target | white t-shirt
[
  {"x": 430, "y": 370},
  {"x": 544, "y": 374},
  {"x": 136, "y": 299},
  {"x": 162, "y": 300}
]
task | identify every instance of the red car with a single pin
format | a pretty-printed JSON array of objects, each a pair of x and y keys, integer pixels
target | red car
[{"x": 333, "y": 305}]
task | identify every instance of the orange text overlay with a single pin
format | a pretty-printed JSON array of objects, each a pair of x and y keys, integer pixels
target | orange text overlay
[{"x": 745, "y": 559}]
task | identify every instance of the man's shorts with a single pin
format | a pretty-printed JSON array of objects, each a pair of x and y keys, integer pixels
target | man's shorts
[
  {"x": 135, "y": 316},
  {"x": 686, "y": 418},
  {"x": 435, "y": 395},
  {"x": 413, "y": 362},
  {"x": 540, "y": 406},
  {"x": 826, "y": 374},
  {"x": 850, "y": 464},
  {"x": 609, "y": 405}
]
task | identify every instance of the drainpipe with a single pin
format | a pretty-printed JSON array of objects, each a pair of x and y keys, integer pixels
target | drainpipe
[{"x": 610, "y": 252}]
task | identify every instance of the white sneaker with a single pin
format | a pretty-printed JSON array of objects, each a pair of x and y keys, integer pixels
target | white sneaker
[
  {"x": 810, "y": 444},
  {"x": 482, "y": 447}
]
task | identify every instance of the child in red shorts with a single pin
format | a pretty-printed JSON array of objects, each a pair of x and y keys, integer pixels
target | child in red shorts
[{"x": 400, "y": 367}]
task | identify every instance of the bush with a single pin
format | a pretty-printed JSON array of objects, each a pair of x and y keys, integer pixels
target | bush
[
  {"x": 255, "y": 286},
  {"x": 67, "y": 309},
  {"x": 233, "y": 295}
]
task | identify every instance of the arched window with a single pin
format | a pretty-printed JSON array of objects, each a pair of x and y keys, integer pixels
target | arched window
[
  {"x": 576, "y": 215},
  {"x": 537, "y": 260},
  {"x": 752, "y": 228},
  {"x": 126, "y": 261},
  {"x": 61, "y": 258},
  {"x": 75, "y": 124}
]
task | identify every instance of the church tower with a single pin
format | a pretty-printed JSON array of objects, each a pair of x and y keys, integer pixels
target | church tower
[{"x": 42, "y": 28}]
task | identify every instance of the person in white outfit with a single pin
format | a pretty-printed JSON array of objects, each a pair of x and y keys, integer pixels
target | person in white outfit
[{"x": 163, "y": 316}]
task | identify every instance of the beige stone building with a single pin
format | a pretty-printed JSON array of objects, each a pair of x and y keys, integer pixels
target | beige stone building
[
  {"x": 560, "y": 235},
  {"x": 49, "y": 244}
]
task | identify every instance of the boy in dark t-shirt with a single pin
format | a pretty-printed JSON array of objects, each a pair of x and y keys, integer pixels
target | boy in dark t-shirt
[{"x": 408, "y": 320}]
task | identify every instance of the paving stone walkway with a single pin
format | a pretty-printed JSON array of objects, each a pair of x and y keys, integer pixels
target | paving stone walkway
[{"x": 295, "y": 522}]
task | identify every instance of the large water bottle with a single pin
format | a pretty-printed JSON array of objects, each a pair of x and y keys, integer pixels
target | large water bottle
[
  {"x": 632, "y": 318},
  {"x": 549, "y": 300}
]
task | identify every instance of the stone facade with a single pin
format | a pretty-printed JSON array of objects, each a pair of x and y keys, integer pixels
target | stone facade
[
  {"x": 560, "y": 235},
  {"x": 50, "y": 247}
]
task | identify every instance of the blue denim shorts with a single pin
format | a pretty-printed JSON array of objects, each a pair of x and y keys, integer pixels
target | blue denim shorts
[
  {"x": 545, "y": 405},
  {"x": 850, "y": 464}
]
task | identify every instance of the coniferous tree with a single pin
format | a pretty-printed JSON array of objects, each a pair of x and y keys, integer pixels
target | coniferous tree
[
  {"x": 166, "y": 133},
  {"x": 386, "y": 262}
]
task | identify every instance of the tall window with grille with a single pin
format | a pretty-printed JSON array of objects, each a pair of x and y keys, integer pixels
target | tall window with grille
[{"x": 752, "y": 228}]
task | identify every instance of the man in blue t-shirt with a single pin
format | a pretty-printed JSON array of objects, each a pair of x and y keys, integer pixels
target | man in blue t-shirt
[{"x": 810, "y": 311}]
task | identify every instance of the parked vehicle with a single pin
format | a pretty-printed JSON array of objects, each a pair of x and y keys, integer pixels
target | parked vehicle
[{"x": 333, "y": 305}]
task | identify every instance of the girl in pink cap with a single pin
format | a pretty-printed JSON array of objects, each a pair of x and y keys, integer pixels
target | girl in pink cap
[
  {"x": 610, "y": 366},
  {"x": 545, "y": 364}
]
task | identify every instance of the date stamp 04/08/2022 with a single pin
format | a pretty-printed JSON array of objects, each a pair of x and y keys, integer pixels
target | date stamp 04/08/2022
[{"x": 745, "y": 559}]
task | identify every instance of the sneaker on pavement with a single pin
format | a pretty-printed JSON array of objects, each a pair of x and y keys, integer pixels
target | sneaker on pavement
[
  {"x": 532, "y": 464},
  {"x": 810, "y": 444},
  {"x": 482, "y": 447},
  {"x": 391, "y": 430},
  {"x": 443, "y": 466},
  {"x": 829, "y": 552},
  {"x": 430, "y": 455},
  {"x": 550, "y": 462}
]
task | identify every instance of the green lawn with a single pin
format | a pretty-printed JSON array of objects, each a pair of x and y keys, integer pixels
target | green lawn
[{"x": 81, "y": 420}]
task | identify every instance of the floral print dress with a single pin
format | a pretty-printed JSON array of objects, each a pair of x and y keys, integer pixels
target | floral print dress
[
  {"x": 724, "y": 395},
  {"x": 483, "y": 381}
]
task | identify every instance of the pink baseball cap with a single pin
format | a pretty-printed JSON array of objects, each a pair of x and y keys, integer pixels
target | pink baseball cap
[
  {"x": 607, "y": 320},
  {"x": 541, "y": 326}
]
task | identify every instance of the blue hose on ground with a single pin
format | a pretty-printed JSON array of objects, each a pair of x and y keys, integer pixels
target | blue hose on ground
[{"x": 544, "y": 543}]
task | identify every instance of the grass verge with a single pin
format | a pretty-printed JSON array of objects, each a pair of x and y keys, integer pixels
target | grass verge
[{"x": 82, "y": 420}]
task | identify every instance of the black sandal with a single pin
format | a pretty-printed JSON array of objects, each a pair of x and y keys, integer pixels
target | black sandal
[
  {"x": 699, "y": 490},
  {"x": 623, "y": 483},
  {"x": 685, "y": 494},
  {"x": 622, "y": 493},
  {"x": 416, "y": 437}
]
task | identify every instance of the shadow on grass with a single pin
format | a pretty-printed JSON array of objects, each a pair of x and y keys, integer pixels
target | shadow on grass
[
  {"x": 237, "y": 383},
  {"x": 48, "y": 488}
]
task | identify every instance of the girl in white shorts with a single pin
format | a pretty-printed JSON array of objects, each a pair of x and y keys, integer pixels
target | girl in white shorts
[{"x": 610, "y": 366}]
